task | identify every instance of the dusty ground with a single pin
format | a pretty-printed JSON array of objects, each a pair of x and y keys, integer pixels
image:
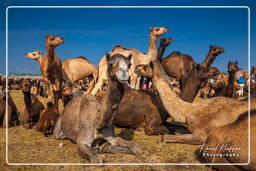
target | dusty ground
[{"x": 29, "y": 146}]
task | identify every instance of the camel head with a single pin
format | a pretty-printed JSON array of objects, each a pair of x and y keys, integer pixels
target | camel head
[
  {"x": 153, "y": 69},
  {"x": 204, "y": 73},
  {"x": 158, "y": 31},
  {"x": 165, "y": 42},
  {"x": 233, "y": 66},
  {"x": 33, "y": 55},
  {"x": 67, "y": 90},
  {"x": 52, "y": 41},
  {"x": 25, "y": 86},
  {"x": 216, "y": 50},
  {"x": 118, "y": 67}
]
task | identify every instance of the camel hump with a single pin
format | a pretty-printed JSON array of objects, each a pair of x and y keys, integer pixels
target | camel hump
[
  {"x": 119, "y": 46},
  {"x": 82, "y": 57},
  {"x": 174, "y": 53}
]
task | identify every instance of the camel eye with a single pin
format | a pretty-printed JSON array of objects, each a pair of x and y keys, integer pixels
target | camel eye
[
  {"x": 52, "y": 38},
  {"x": 157, "y": 29},
  {"x": 34, "y": 54}
]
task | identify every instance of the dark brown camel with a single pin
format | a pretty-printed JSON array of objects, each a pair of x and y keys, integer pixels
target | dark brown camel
[
  {"x": 51, "y": 67},
  {"x": 190, "y": 74},
  {"x": 142, "y": 110},
  {"x": 33, "y": 106},
  {"x": 89, "y": 122},
  {"x": 47, "y": 120},
  {"x": 13, "y": 118},
  {"x": 232, "y": 69}
]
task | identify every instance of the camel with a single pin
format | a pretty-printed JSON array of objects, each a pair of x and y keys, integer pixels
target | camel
[
  {"x": 33, "y": 107},
  {"x": 142, "y": 110},
  {"x": 201, "y": 117},
  {"x": 179, "y": 65},
  {"x": 138, "y": 58},
  {"x": 13, "y": 116},
  {"x": 89, "y": 122},
  {"x": 190, "y": 75},
  {"x": 73, "y": 70},
  {"x": 51, "y": 67},
  {"x": 235, "y": 137},
  {"x": 47, "y": 120}
]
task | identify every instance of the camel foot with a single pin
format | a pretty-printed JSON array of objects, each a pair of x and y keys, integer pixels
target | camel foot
[
  {"x": 119, "y": 145},
  {"x": 96, "y": 158}
]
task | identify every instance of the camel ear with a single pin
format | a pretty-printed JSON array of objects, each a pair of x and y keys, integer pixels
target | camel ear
[
  {"x": 211, "y": 46},
  {"x": 236, "y": 62},
  {"x": 39, "y": 52},
  {"x": 151, "y": 65},
  {"x": 47, "y": 36},
  {"x": 107, "y": 56},
  {"x": 129, "y": 57}
]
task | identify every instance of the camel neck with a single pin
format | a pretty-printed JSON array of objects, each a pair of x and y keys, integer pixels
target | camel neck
[
  {"x": 27, "y": 101},
  {"x": 50, "y": 52},
  {"x": 152, "y": 50},
  {"x": 160, "y": 52},
  {"x": 176, "y": 107},
  {"x": 38, "y": 60},
  {"x": 209, "y": 59},
  {"x": 110, "y": 104},
  {"x": 191, "y": 87}
]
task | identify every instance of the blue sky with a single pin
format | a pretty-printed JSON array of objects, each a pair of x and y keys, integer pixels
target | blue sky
[{"x": 93, "y": 32}]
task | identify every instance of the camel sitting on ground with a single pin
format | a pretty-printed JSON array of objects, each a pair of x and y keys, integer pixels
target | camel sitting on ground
[
  {"x": 201, "y": 117},
  {"x": 229, "y": 144},
  {"x": 13, "y": 116},
  {"x": 138, "y": 58},
  {"x": 47, "y": 120},
  {"x": 33, "y": 107},
  {"x": 73, "y": 70},
  {"x": 89, "y": 122}
]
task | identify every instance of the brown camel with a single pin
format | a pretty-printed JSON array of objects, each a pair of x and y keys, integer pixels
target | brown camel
[
  {"x": 51, "y": 67},
  {"x": 89, "y": 122},
  {"x": 3, "y": 114},
  {"x": 179, "y": 65},
  {"x": 13, "y": 118},
  {"x": 231, "y": 141},
  {"x": 142, "y": 110},
  {"x": 47, "y": 120},
  {"x": 202, "y": 117},
  {"x": 138, "y": 58},
  {"x": 33, "y": 106},
  {"x": 73, "y": 70}
]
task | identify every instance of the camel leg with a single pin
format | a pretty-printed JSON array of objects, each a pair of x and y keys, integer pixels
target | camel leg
[
  {"x": 57, "y": 132},
  {"x": 48, "y": 88},
  {"x": 84, "y": 148},
  {"x": 97, "y": 87},
  {"x": 119, "y": 145},
  {"x": 194, "y": 138}
]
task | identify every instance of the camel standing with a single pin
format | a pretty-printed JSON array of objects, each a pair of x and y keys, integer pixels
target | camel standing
[
  {"x": 73, "y": 70},
  {"x": 202, "y": 117},
  {"x": 138, "y": 58},
  {"x": 88, "y": 121},
  {"x": 51, "y": 67}
]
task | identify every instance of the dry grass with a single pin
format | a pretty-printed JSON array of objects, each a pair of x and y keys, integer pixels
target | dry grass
[{"x": 29, "y": 146}]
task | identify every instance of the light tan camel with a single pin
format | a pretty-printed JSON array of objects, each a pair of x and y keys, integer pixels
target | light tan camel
[
  {"x": 72, "y": 69},
  {"x": 201, "y": 117},
  {"x": 138, "y": 58}
]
